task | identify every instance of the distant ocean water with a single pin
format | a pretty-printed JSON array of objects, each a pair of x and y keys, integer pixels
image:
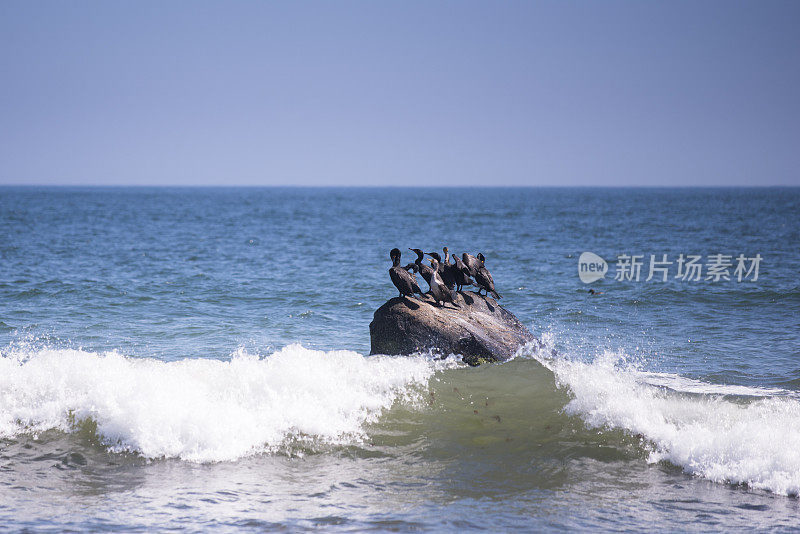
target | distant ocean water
[{"x": 197, "y": 358}]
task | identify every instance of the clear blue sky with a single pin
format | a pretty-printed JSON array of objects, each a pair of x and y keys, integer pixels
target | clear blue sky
[{"x": 400, "y": 93}]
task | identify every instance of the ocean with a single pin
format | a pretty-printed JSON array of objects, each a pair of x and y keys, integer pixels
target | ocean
[{"x": 197, "y": 358}]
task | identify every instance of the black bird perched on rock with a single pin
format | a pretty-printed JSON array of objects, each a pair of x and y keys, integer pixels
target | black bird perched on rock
[
  {"x": 443, "y": 271},
  {"x": 471, "y": 262},
  {"x": 404, "y": 281},
  {"x": 461, "y": 274},
  {"x": 484, "y": 278},
  {"x": 425, "y": 270},
  {"x": 439, "y": 291},
  {"x": 448, "y": 270}
]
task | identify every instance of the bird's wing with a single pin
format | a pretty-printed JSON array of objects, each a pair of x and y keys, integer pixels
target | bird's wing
[
  {"x": 401, "y": 279},
  {"x": 484, "y": 280}
]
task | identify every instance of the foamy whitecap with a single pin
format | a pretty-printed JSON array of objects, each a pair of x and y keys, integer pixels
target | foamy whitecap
[
  {"x": 205, "y": 410},
  {"x": 755, "y": 441}
]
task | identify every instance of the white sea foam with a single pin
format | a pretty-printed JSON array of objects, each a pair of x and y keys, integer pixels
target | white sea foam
[
  {"x": 205, "y": 410},
  {"x": 688, "y": 385},
  {"x": 753, "y": 441}
]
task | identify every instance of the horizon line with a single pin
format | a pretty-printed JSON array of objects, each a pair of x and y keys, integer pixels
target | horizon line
[{"x": 350, "y": 186}]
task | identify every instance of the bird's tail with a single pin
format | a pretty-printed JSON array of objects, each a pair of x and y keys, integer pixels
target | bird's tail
[{"x": 496, "y": 295}]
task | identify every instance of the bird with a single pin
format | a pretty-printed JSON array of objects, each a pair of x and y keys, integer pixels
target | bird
[
  {"x": 448, "y": 270},
  {"x": 471, "y": 262},
  {"x": 404, "y": 281},
  {"x": 439, "y": 291},
  {"x": 484, "y": 278},
  {"x": 425, "y": 270},
  {"x": 443, "y": 271},
  {"x": 461, "y": 274}
]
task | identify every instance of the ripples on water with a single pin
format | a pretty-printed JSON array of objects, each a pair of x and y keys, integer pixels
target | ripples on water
[{"x": 151, "y": 374}]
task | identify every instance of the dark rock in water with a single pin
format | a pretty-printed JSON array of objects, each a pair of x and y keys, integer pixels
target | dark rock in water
[{"x": 480, "y": 330}]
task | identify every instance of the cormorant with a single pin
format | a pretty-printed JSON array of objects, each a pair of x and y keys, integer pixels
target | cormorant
[
  {"x": 425, "y": 270},
  {"x": 439, "y": 291},
  {"x": 471, "y": 262},
  {"x": 461, "y": 273},
  {"x": 404, "y": 281},
  {"x": 448, "y": 270},
  {"x": 443, "y": 271},
  {"x": 484, "y": 278}
]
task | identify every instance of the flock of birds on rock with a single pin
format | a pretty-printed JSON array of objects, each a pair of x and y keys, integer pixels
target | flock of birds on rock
[{"x": 442, "y": 277}]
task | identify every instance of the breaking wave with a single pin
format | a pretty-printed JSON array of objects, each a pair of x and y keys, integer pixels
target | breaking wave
[
  {"x": 729, "y": 434},
  {"x": 205, "y": 410},
  {"x": 297, "y": 398}
]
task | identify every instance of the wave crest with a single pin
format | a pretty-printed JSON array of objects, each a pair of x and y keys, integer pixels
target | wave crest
[
  {"x": 750, "y": 439},
  {"x": 205, "y": 410}
]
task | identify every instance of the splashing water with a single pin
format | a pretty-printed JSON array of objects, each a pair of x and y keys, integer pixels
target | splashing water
[
  {"x": 205, "y": 410},
  {"x": 749, "y": 439}
]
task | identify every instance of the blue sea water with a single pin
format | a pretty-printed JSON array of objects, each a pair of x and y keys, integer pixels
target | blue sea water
[{"x": 198, "y": 358}]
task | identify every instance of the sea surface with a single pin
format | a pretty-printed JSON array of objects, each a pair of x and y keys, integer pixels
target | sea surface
[{"x": 190, "y": 358}]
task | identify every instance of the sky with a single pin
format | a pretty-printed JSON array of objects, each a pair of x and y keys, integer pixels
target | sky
[{"x": 461, "y": 93}]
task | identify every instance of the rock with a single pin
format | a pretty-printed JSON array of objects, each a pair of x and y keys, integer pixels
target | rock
[{"x": 480, "y": 330}]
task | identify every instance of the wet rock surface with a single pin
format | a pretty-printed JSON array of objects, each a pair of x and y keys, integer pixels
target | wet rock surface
[{"x": 479, "y": 329}]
